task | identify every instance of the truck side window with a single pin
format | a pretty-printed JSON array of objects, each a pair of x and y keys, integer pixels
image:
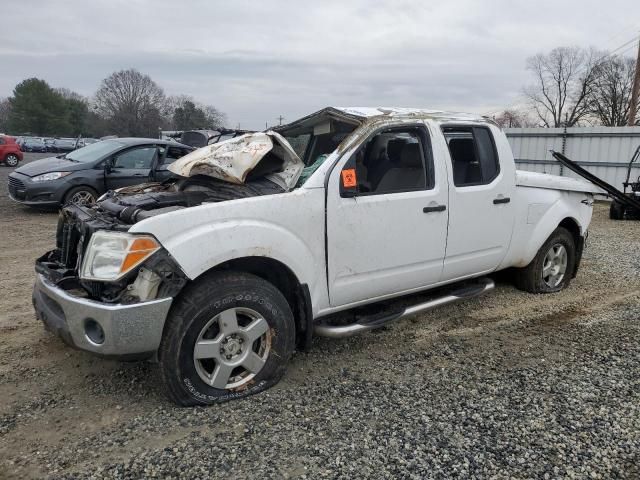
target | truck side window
[
  {"x": 473, "y": 155},
  {"x": 393, "y": 161}
]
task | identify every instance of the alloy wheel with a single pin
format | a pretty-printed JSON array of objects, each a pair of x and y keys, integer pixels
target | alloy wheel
[
  {"x": 554, "y": 265},
  {"x": 232, "y": 348},
  {"x": 82, "y": 197}
]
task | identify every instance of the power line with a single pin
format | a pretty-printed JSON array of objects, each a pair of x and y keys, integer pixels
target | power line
[
  {"x": 632, "y": 41},
  {"x": 621, "y": 33},
  {"x": 628, "y": 49}
]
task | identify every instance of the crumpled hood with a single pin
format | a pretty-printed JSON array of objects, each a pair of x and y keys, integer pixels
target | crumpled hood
[
  {"x": 51, "y": 164},
  {"x": 234, "y": 159}
]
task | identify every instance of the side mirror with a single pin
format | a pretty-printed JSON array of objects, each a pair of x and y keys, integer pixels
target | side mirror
[
  {"x": 349, "y": 179},
  {"x": 108, "y": 165}
]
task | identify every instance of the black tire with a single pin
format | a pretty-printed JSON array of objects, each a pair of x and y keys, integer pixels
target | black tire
[
  {"x": 79, "y": 191},
  {"x": 616, "y": 211},
  {"x": 199, "y": 305},
  {"x": 11, "y": 160},
  {"x": 530, "y": 278}
]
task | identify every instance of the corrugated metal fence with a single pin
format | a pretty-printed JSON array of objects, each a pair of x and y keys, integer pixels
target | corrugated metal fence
[{"x": 604, "y": 151}]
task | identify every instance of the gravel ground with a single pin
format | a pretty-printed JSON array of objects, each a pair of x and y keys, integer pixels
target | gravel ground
[{"x": 509, "y": 385}]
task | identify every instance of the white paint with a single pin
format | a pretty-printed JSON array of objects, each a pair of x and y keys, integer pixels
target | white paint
[
  {"x": 384, "y": 244},
  {"x": 555, "y": 182},
  {"x": 232, "y": 160},
  {"x": 380, "y": 246}
]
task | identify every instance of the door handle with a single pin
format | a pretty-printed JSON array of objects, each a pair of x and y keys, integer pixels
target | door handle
[
  {"x": 437, "y": 208},
  {"x": 497, "y": 201}
]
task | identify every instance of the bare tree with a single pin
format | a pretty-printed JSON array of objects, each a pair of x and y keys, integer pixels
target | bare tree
[
  {"x": 70, "y": 94},
  {"x": 210, "y": 116},
  {"x": 610, "y": 96},
  {"x": 564, "y": 79},
  {"x": 512, "y": 118},
  {"x": 132, "y": 103},
  {"x": 215, "y": 118}
]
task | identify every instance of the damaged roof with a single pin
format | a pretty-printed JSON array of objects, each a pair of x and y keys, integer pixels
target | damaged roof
[{"x": 358, "y": 115}]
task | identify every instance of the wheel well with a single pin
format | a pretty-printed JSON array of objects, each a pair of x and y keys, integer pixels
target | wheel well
[
  {"x": 281, "y": 276},
  {"x": 574, "y": 229},
  {"x": 76, "y": 186},
  {"x": 571, "y": 225}
]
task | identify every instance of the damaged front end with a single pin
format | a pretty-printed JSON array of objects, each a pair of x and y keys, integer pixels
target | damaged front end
[
  {"x": 158, "y": 276},
  {"x": 121, "y": 317},
  {"x": 247, "y": 166},
  {"x": 108, "y": 291}
]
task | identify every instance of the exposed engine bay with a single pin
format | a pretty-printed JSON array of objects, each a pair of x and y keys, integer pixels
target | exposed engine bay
[{"x": 117, "y": 211}]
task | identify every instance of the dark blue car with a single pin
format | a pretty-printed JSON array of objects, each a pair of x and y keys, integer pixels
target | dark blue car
[{"x": 83, "y": 175}]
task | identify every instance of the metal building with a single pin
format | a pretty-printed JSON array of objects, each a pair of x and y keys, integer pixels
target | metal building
[{"x": 604, "y": 151}]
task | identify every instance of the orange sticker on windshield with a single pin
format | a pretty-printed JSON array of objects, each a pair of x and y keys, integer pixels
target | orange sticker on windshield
[{"x": 349, "y": 178}]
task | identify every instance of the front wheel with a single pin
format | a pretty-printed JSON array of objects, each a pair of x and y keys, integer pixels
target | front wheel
[
  {"x": 552, "y": 268},
  {"x": 229, "y": 335},
  {"x": 81, "y": 196},
  {"x": 11, "y": 160}
]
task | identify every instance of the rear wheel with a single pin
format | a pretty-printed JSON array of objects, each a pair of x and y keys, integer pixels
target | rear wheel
[
  {"x": 552, "y": 267},
  {"x": 11, "y": 160},
  {"x": 616, "y": 211},
  {"x": 81, "y": 196},
  {"x": 228, "y": 336}
]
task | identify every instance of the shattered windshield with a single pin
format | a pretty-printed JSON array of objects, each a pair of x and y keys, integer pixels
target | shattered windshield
[{"x": 299, "y": 144}]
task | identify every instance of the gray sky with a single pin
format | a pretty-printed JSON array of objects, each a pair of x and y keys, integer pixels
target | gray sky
[{"x": 257, "y": 60}]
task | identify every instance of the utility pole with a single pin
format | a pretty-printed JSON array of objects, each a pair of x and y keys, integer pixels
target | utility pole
[
  {"x": 280, "y": 118},
  {"x": 635, "y": 92}
]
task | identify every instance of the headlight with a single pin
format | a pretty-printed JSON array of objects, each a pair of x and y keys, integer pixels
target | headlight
[
  {"x": 110, "y": 255},
  {"x": 45, "y": 177}
]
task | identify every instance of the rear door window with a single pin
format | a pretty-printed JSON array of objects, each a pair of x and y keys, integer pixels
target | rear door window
[{"x": 473, "y": 155}]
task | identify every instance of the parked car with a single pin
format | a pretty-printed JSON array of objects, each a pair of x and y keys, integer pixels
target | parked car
[
  {"x": 34, "y": 144},
  {"x": 49, "y": 144},
  {"x": 84, "y": 174},
  {"x": 83, "y": 142},
  {"x": 64, "y": 145},
  {"x": 10, "y": 153},
  {"x": 219, "y": 280}
]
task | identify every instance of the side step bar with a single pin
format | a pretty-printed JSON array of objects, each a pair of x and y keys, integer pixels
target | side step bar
[{"x": 365, "y": 324}]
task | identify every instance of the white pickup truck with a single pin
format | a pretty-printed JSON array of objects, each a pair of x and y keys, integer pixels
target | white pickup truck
[{"x": 220, "y": 274}]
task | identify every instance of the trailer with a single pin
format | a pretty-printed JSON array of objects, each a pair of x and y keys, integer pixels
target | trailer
[{"x": 626, "y": 203}]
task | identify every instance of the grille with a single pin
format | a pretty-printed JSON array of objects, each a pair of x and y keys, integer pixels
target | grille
[
  {"x": 15, "y": 183},
  {"x": 69, "y": 247}
]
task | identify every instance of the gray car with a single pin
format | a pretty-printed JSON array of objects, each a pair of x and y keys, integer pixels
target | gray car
[{"x": 83, "y": 175}]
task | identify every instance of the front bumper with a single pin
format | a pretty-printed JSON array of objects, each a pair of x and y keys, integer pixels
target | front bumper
[
  {"x": 127, "y": 331},
  {"x": 38, "y": 194}
]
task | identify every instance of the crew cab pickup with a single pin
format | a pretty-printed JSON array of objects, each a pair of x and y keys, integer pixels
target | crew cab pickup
[{"x": 337, "y": 223}]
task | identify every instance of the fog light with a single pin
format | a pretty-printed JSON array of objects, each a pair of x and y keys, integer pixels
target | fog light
[{"x": 94, "y": 331}]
